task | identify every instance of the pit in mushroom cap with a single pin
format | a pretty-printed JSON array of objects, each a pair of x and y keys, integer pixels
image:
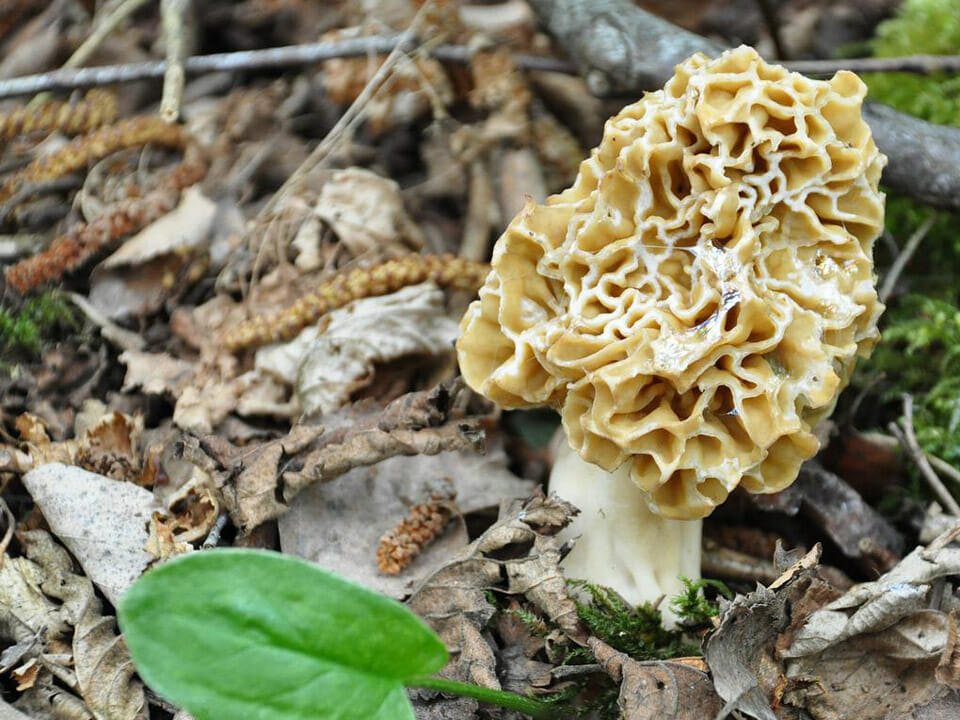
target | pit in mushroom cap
[{"x": 695, "y": 302}]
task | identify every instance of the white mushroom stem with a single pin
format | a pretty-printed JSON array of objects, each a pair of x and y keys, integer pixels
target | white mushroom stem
[{"x": 620, "y": 543}]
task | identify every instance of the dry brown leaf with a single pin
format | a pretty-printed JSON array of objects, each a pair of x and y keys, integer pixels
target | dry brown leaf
[
  {"x": 259, "y": 483},
  {"x": 816, "y": 495},
  {"x": 106, "y": 442},
  {"x": 948, "y": 670},
  {"x": 453, "y": 600},
  {"x": 104, "y": 672},
  {"x": 872, "y": 652},
  {"x": 657, "y": 690}
]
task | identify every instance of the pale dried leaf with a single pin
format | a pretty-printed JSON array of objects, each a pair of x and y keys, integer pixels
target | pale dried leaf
[
  {"x": 364, "y": 209},
  {"x": 102, "y": 521},
  {"x": 155, "y": 373},
  {"x": 105, "y": 671},
  {"x": 185, "y": 228},
  {"x": 25, "y": 611},
  {"x": 327, "y": 365},
  {"x": 137, "y": 278}
]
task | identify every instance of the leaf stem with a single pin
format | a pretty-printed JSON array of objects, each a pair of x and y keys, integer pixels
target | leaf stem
[{"x": 509, "y": 700}]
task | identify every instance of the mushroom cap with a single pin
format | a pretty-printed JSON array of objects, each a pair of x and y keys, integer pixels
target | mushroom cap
[{"x": 695, "y": 302}]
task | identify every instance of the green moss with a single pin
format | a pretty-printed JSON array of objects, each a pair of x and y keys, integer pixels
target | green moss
[
  {"x": 38, "y": 320},
  {"x": 692, "y": 606},
  {"x": 638, "y": 631},
  {"x": 920, "y": 354},
  {"x": 920, "y": 26}
]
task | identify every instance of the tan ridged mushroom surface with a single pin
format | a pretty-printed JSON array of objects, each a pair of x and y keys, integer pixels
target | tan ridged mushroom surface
[{"x": 695, "y": 302}]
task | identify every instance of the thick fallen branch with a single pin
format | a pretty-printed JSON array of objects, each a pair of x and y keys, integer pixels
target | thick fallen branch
[{"x": 621, "y": 49}]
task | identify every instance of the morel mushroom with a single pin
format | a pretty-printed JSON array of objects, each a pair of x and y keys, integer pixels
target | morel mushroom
[{"x": 692, "y": 306}]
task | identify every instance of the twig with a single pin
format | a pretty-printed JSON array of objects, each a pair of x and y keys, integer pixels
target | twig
[
  {"x": 172, "y": 14},
  {"x": 287, "y": 56},
  {"x": 213, "y": 537},
  {"x": 941, "y": 465},
  {"x": 380, "y": 80},
  {"x": 10, "y": 523},
  {"x": 917, "y": 64},
  {"x": 562, "y": 672},
  {"x": 101, "y": 32},
  {"x": 727, "y": 564},
  {"x": 893, "y": 274},
  {"x": 938, "y": 464},
  {"x": 909, "y": 442}
]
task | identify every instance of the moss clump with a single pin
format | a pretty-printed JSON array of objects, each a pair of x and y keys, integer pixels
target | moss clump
[
  {"x": 920, "y": 354},
  {"x": 920, "y": 26},
  {"x": 25, "y": 330},
  {"x": 638, "y": 631},
  {"x": 692, "y": 605}
]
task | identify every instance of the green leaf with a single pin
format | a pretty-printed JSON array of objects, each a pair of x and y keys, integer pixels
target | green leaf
[{"x": 254, "y": 634}]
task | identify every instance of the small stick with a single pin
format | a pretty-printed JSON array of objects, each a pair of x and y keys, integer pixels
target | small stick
[
  {"x": 896, "y": 269},
  {"x": 938, "y": 464},
  {"x": 172, "y": 14},
  {"x": 101, "y": 31},
  {"x": 11, "y": 524},
  {"x": 944, "y": 467},
  {"x": 213, "y": 537},
  {"x": 909, "y": 442},
  {"x": 916, "y": 64}
]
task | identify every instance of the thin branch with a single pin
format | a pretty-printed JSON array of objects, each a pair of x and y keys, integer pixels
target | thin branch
[
  {"x": 10, "y": 523},
  {"x": 916, "y": 64},
  {"x": 942, "y": 466},
  {"x": 939, "y": 464},
  {"x": 288, "y": 56},
  {"x": 896, "y": 269},
  {"x": 101, "y": 31},
  {"x": 909, "y": 442},
  {"x": 173, "y": 14}
]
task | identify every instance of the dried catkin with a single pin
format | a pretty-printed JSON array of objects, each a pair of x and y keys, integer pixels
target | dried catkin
[
  {"x": 82, "y": 150},
  {"x": 383, "y": 279},
  {"x": 419, "y": 528},
  {"x": 97, "y": 108},
  {"x": 85, "y": 240}
]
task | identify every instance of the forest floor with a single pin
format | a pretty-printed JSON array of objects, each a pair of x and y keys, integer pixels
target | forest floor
[{"x": 229, "y": 305}]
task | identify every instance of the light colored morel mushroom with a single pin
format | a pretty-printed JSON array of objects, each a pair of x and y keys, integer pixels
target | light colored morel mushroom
[{"x": 692, "y": 306}]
